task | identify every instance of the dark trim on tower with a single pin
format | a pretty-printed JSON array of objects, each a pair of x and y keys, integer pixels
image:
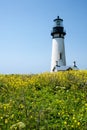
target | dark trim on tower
[{"x": 58, "y": 30}]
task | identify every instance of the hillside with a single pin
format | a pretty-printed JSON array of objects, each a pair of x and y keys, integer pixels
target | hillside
[{"x": 48, "y": 101}]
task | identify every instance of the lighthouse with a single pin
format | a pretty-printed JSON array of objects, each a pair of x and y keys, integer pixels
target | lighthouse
[{"x": 58, "y": 33}]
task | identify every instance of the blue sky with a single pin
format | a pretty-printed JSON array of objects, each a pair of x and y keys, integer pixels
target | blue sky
[{"x": 25, "y": 40}]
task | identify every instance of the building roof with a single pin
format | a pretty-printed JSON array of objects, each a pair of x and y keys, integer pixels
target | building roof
[{"x": 64, "y": 68}]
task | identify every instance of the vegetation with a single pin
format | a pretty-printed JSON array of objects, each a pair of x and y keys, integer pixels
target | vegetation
[{"x": 48, "y": 101}]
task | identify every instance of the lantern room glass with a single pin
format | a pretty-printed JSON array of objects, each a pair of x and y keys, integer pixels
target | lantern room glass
[{"x": 58, "y": 23}]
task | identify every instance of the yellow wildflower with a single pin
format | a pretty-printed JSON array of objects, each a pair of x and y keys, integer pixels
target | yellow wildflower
[
  {"x": 65, "y": 122},
  {"x": 78, "y": 123},
  {"x": 6, "y": 121}
]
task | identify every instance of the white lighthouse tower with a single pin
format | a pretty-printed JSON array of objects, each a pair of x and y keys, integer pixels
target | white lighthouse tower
[{"x": 58, "y": 48}]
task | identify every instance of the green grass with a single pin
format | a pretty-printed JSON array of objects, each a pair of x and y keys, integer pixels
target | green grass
[{"x": 48, "y": 101}]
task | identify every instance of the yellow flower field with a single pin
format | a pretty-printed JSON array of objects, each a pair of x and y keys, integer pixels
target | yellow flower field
[{"x": 47, "y": 101}]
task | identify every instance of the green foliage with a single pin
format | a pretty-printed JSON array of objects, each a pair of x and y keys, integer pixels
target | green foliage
[{"x": 48, "y": 101}]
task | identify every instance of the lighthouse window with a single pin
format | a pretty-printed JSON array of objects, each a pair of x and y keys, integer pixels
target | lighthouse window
[{"x": 60, "y": 56}]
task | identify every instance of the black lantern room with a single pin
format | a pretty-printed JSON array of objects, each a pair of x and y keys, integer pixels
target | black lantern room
[{"x": 58, "y": 29}]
